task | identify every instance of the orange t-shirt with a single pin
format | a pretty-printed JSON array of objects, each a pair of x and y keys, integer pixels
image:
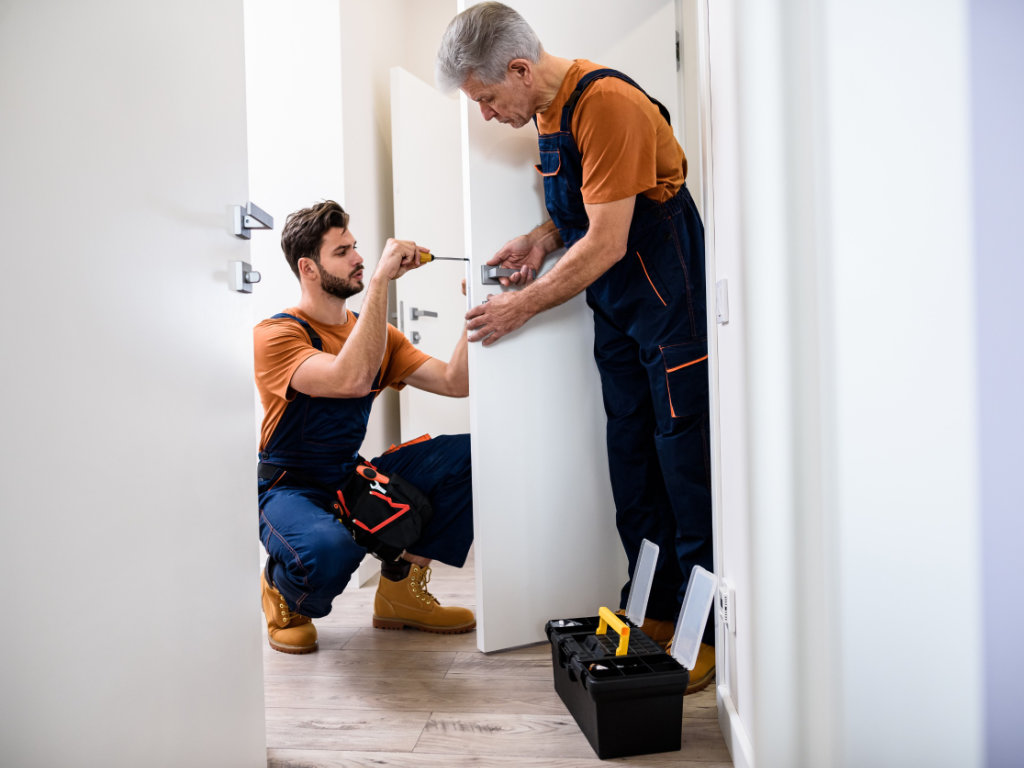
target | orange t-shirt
[
  {"x": 282, "y": 345},
  {"x": 628, "y": 148}
]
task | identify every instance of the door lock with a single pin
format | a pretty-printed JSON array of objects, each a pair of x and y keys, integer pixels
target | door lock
[
  {"x": 415, "y": 337},
  {"x": 242, "y": 276}
]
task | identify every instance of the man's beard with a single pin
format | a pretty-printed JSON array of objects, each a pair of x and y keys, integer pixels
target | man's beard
[{"x": 339, "y": 286}]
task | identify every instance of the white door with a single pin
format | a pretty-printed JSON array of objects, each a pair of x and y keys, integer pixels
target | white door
[
  {"x": 546, "y": 544},
  {"x": 127, "y": 493},
  {"x": 426, "y": 162}
]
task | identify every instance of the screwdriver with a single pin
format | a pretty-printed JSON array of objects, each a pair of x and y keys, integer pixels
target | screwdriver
[{"x": 426, "y": 256}]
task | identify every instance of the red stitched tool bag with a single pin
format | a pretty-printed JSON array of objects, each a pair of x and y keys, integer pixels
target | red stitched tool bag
[{"x": 385, "y": 513}]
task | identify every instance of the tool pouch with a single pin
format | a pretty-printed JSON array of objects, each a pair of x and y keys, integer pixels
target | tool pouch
[{"x": 386, "y": 514}]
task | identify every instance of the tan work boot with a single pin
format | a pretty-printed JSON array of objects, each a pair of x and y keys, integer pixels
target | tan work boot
[
  {"x": 408, "y": 603},
  {"x": 703, "y": 671},
  {"x": 287, "y": 632},
  {"x": 659, "y": 631}
]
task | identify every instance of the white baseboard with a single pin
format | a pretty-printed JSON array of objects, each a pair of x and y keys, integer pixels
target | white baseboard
[{"x": 736, "y": 737}]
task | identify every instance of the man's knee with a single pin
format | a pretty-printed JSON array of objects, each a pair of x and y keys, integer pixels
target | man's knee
[
  {"x": 457, "y": 452},
  {"x": 332, "y": 555}
]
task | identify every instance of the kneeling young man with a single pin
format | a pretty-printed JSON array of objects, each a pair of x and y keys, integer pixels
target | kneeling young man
[{"x": 319, "y": 367}]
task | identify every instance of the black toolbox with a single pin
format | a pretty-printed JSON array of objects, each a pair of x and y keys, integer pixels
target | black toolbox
[{"x": 627, "y": 698}]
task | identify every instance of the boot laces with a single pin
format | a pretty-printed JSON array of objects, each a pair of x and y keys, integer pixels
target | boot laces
[
  {"x": 289, "y": 618},
  {"x": 286, "y": 615},
  {"x": 419, "y": 587}
]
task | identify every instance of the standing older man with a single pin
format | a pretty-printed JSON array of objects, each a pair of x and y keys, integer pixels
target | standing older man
[{"x": 614, "y": 188}]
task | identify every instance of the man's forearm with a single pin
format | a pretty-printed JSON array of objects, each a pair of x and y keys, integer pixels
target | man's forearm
[
  {"x": 458, "y": 368},
  {"x": 546, "y": 236},
  {"x": 364, "y": 349},
  {"x": 577, "y": 268}
]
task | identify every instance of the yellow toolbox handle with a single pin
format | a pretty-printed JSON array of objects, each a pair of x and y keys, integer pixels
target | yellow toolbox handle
[{"x": 609, "y": 618}]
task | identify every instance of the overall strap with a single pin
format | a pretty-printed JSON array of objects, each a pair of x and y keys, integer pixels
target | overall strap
[
  {"x": 313, "y": 335},
  {"x": 318, "y": 344},
  {"x": 597, "y": 74}
]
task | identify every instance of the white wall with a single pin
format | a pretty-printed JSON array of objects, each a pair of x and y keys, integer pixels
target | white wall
[
  {"x": 997, "y": 124},
  {"x": 858, "y": 323},
  {"x": 903, "y": 389},
  {"x": 723, "y": 221},
  {"x": 293, "y": 100}
]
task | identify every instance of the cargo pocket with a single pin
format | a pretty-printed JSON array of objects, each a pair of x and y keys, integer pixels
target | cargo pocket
[{"x": 686, "y": 377}]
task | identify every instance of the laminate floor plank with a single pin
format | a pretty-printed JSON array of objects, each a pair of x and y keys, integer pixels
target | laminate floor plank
[
  {"x": 533, "y": 662},
  {"x": 344, "y": 729},
  {"x": 701, "y": 705},
  {"x": 403, "y": 640},
  {"x": 446, "y": 695},
  {"x": 541, "y": 736},
  {"x": 407, "y": 665},
  {"x": 482, "y": 734}
]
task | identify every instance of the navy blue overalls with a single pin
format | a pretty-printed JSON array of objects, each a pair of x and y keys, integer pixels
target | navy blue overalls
[
  {"x": 311, "y": 555},
  {"x": 650, "y": 344}
]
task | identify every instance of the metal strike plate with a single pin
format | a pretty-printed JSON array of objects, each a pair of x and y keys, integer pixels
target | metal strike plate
[
  {"x": 489, "y": 275},
  {"x": 242, "y": 276},
  {"x": 249, "y": 218}
]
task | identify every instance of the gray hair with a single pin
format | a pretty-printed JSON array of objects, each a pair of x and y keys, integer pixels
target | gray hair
[{"x": 480, "y": 42}]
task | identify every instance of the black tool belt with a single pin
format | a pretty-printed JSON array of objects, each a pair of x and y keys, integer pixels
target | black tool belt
[{"x": 385, "y": 513}]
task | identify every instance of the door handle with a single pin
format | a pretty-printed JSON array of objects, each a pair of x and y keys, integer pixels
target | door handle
[
  {"x": 417, "y": 313},
  {"x": 249, "y": 218},
  {"x": 490, "y": 275}
]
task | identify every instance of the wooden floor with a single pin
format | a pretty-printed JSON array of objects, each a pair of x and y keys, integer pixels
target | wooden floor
[{"x": 409, "y": 699}]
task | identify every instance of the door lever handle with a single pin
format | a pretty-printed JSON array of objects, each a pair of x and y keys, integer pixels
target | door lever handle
[
  {"x": 249, "y": 218},
  {"x": 489, "y": 275},
  {"x": 417, "y": 313}
]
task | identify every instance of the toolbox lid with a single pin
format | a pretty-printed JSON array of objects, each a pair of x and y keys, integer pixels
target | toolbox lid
[
  {"x": 700, "y": 594},
  {"x": 640, "y": 584}
]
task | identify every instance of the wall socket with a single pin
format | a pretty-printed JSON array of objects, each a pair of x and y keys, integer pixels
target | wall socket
[{"x": 727, "y": 606}]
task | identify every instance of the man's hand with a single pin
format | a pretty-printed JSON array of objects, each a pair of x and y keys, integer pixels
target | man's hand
[
  {"x": 398, "y": 257},
  {"x": 497, "y": 316},
  {"x": 519, "y": 253}
]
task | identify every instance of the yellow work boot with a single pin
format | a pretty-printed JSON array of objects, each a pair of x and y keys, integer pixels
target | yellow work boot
[
  {"x": 658, "y": 630},
  {"x": 287, "y": 631},
  {"x": 703, "y": 671},
  {"x": 408, "y": 603}
]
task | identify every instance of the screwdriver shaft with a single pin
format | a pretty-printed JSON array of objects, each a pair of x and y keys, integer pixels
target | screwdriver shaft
[{"x": 425, "y": 257}]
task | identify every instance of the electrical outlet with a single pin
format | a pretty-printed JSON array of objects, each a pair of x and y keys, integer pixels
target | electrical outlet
[{"x": 727, "y": 606}]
